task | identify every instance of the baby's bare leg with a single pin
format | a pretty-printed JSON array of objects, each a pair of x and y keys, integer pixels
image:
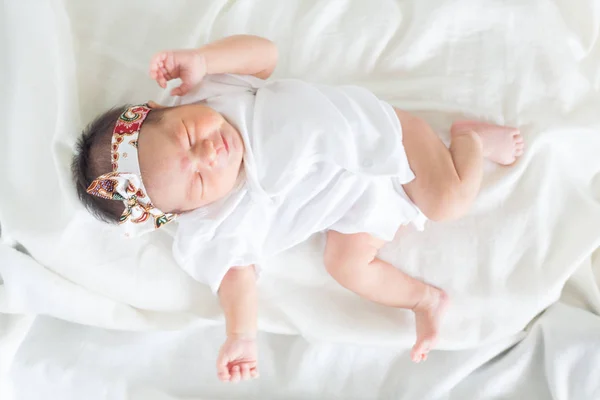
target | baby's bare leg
[
  {"x": 351, "y": 260},
  {"x": 447, "y": 180}
]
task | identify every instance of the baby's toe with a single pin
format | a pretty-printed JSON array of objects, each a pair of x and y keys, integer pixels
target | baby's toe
[
  {"x": 519, "y": 148},
  {"x": 519, "y": 139}
]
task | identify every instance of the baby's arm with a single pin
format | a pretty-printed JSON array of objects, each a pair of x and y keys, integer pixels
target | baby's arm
[
  {"x": 239, "y": 54},
  {"x": 237, "y": 358}
]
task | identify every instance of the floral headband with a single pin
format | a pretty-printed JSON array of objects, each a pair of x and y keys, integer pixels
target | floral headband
[{"x": 124, "y": 183}]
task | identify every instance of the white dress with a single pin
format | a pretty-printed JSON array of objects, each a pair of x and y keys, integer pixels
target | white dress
[{"x": 317, "y": 158}]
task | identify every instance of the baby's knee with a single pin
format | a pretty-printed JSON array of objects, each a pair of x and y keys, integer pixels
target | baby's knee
[
  {"x": 447, "y": 204},
  {"x": 346, "y": 253},
  {"x": 344, "y": 269}
]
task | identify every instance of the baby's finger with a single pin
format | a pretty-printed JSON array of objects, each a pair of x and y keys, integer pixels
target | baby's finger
[
  {"x": 222, "y": 362},
  {"x": 165, "y": 73},
  {"x": 254, "y": 372},
  {"x": 245, "y": 372},
  {"x": 155, "y": 74},
  {"x": 162, "y": 82},
  {"x": 235, "y": 373},
  {"x": 153, "y": 68},
  {"x": 180, "y": 90},
  {"x": 161, "y": 57},
  {"x": 169, "y": 62},
  {"x": 158, "y": 77},
  {"x": 156, "y": 61}
]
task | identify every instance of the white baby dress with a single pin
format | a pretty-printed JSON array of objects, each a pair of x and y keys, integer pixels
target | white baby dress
[{"x": 317, "y": 158}]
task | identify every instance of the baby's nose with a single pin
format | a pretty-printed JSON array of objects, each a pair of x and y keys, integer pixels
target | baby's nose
[{"x": 208, "y": 154}]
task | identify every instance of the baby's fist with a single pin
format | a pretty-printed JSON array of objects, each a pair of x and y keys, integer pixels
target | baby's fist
[
  {"x": 189, "y": 65},
  {"x": 237, "y": 360}
]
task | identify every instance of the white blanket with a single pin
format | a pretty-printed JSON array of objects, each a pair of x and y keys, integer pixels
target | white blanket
[
  {"x": 534, "y": 64},
  {"x": 75, "y": 362}
]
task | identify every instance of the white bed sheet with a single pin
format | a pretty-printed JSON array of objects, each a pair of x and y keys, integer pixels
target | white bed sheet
[
  {"x": 535, "y": 64},
  {"x": 556, "y": 360}
]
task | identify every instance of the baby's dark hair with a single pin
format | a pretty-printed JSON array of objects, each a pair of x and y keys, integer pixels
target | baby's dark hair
[{"x": 93, "y": 159}]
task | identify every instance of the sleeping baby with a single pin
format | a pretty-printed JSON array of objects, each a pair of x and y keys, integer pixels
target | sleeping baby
[{"x": 251, "y": 166}]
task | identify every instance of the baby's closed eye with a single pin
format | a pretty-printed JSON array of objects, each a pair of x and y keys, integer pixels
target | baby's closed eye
[
  {"x": 196, "y": 186},
  {"x": 189, "y": 137}
]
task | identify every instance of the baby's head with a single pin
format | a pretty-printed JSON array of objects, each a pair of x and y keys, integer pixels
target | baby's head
[{"x": 188, "y": 156}]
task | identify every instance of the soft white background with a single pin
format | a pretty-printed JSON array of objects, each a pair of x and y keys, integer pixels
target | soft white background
[{"x": 533, "y": 64}]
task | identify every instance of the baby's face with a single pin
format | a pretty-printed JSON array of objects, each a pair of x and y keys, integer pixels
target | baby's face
[{"x": 189, "y": 159}]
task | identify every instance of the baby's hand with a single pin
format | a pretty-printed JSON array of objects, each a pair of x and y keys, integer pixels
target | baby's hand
[
  {"x": 187, "y": 65},
  {"x": 237, "y": 360}
]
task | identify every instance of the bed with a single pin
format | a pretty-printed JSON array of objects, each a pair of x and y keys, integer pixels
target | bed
[{"x": 84, "y": 316}]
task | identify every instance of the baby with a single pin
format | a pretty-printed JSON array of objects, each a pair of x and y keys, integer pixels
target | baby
[{"x": 251, "y": 167}]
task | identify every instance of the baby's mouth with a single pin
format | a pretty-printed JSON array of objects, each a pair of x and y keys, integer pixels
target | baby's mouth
[{"x": 225, "y": 144}]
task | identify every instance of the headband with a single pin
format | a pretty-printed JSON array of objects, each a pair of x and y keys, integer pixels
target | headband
[{"x": 124, "y": 183}]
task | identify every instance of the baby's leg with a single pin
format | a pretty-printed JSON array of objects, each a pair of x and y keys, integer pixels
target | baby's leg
[
  {"x": 351, "y": 260},
  {"x": 447, "y": 180}
]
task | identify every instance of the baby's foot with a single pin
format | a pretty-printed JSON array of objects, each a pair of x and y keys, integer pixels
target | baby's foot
[
  {"x": 428, "y": 313},
  {"x": 501, "y": 144}
]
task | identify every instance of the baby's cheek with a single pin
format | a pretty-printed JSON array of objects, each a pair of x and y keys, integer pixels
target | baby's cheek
[{"x": 227, "y": 181}]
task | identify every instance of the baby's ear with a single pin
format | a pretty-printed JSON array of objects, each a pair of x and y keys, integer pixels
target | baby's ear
[{"x": 153, "y": 104}]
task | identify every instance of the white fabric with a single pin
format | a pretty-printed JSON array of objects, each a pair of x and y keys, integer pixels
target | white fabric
[
  {"x": 316, "y": 157},
  {"x": 530, "y": 63},
  {"x": 556, "y": 360}
]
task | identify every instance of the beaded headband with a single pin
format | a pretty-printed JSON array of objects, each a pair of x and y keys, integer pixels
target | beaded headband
[{"x": 124, "y": 183}]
